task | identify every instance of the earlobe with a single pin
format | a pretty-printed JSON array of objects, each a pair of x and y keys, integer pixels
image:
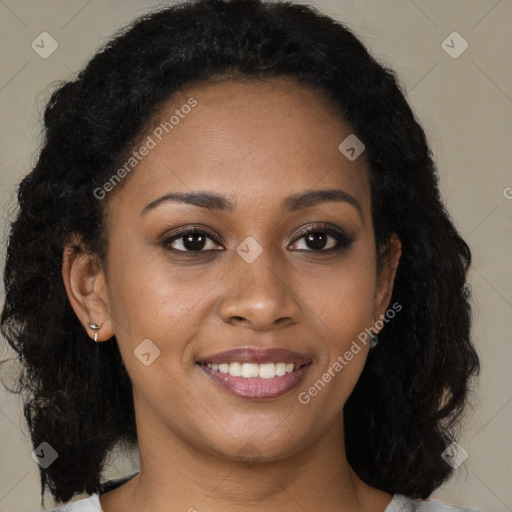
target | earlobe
[
  {"x": 85, "y": 285},
  {"x": 390, "y": 258}
]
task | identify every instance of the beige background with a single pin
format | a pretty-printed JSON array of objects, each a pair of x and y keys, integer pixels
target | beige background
[{"x": 465, "y": 105}]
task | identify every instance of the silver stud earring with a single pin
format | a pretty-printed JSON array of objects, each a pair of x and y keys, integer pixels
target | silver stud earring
[
  {"x": 95, "y": 328},
  {"x": 373, "y": 341}
]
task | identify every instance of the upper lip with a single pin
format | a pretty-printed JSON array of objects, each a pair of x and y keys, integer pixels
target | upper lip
[{"x": 258, "y": 356}]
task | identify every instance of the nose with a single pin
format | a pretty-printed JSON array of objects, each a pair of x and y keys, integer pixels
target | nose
[{"x": 259, "y": 294}]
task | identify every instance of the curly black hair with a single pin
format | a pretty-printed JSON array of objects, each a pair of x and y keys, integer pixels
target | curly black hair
[{"x": 407, "y": 404}]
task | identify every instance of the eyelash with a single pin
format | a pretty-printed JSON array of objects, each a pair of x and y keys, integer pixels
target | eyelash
[{"x": 343, "y": 241}]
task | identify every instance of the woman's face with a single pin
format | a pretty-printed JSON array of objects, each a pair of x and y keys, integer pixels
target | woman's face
[{"x": 251, "y": 280}]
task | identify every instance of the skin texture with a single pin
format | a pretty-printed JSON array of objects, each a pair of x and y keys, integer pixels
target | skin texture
[{"x": 257, "y": 143}]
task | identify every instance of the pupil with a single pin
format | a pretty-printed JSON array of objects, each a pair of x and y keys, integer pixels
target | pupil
[
  {"x": 189, "y": 244},
  {"x": 317, "y": 240}
]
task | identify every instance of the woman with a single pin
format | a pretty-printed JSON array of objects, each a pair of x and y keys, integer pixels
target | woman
[{"x": 233, "y": 255}]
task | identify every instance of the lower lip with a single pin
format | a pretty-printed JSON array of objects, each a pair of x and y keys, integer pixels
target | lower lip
[{"x": 257, "y": 388}]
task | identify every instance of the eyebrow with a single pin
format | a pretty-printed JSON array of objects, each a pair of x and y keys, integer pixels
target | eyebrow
[{"x": 292, "y": 203}]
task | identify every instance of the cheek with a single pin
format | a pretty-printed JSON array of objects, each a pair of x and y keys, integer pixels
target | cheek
[
  {"x": 150, "y": 295},
  {"x": 342, "y": 299},
  {"x": 152, "y": 299},
  {"x": 340, "y": 304},
  {"x": 341, "y": 311}
]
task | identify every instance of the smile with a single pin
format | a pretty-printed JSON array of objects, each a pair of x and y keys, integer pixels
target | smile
[{"x": 256, "y": 373}]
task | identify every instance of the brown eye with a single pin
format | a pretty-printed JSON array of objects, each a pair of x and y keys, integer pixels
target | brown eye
[
  {"x": 317, "y": 240},
  {"x": 191, "y": 240},
  {"x": 322, "y": 239}
]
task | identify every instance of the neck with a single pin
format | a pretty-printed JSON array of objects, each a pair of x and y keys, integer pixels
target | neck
[{"x": 175, "y": 475}]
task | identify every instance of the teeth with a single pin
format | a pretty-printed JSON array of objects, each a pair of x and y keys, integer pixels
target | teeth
[
  {"x": 281, "y": 369},
  {"x": 235, "y": 369},
  {"x": 252, "y": 370},
  {"x": 267, "y": 371}
]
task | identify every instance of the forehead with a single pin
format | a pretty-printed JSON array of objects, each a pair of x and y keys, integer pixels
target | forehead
[{"x": 250, "y": 140}]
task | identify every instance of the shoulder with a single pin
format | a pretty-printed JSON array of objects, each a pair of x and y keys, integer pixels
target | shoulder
[
  {"x": 90, "y": 504},
  {"x": 401, "y": 503},
  {"x": 435, "y": 506}
]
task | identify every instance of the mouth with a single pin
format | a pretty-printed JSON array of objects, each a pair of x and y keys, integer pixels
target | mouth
[{"x": 256, "y": 373}]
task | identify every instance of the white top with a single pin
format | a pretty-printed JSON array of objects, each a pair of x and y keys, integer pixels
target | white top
[{"x": 399, "y": 503}]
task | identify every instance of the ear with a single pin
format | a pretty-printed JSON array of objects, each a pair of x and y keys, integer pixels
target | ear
[
  {"x": 86, "y": 289},
  {"x": 386, "y": 271}
]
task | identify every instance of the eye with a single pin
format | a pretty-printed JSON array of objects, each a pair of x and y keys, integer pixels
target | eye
[
  {"x": 191, "y": 239},
  {"x": 316, "y": 238}
]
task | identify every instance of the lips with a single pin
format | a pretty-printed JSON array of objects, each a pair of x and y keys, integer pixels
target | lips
[{"x": 227, "y": 369}]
